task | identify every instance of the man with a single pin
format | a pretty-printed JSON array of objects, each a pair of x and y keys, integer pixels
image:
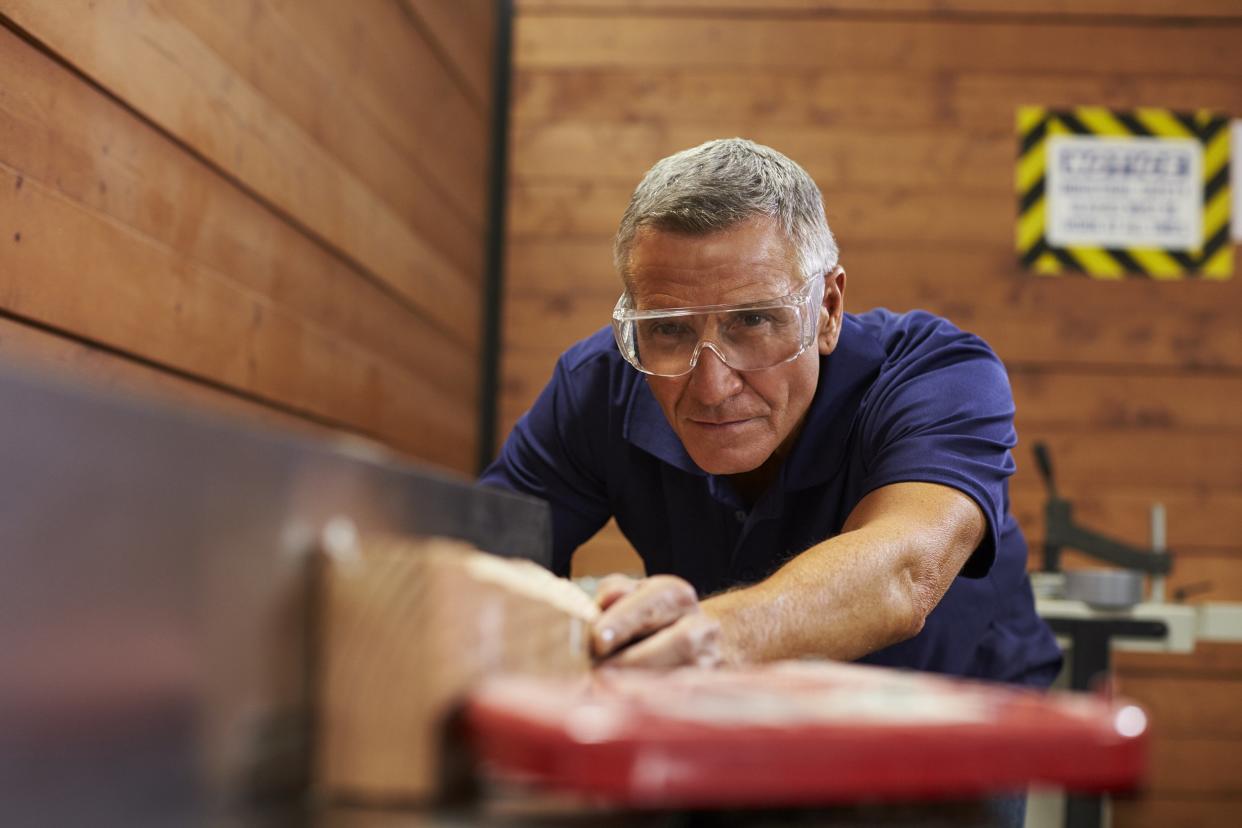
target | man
[{"x": 798, "y": 481}]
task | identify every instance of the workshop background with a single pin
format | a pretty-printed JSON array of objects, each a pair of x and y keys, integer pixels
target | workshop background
[
  {"x": 903, "y": 112},
  {"x": 280, "y": 211}
]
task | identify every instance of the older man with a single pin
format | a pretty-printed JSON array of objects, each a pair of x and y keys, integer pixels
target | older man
[{"x": 799, "y": 481}]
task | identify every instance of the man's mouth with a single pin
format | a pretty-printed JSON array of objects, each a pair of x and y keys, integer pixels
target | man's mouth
[{"x": 721, "y": 425}]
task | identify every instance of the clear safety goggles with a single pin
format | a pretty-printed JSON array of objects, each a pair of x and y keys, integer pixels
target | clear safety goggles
[{"x": 747, "y": 337}]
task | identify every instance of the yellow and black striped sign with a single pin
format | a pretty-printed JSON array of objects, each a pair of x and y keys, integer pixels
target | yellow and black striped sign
[{"x": 1210, "y": 259}]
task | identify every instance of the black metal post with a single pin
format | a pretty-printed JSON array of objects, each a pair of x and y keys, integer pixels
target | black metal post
[{"x": 489, "y": 368}]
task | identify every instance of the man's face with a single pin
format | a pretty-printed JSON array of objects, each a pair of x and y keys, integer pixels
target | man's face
[{"x": 732, "y": 422}]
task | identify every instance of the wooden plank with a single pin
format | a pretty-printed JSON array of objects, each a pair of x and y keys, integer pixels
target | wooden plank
[
  {"x": 834, "y": 96},
  {"x": 863, "y": 212},
  {"x": 1166, "y": 9},
  {"x": 1163, "y": 810},
  {"x": 161, "y": 69},
  {"x": 34, "y": 350},
  {"x": 77, "y": 271},
  {"x": 604, "y": 161},
  {"x": 466, "y": 33},
  {"x": 421, "y": 151},
  {"x": 1210, "y": 659},
  {"x": 1051, "y": 399},
  {"x": 1206, "y": 767},
  {"x": 918, "y": 45},
  {"x": 1182, "y": 708},
  {"x": 409, "y": 626},
  {"x": 66, "y": 135}
]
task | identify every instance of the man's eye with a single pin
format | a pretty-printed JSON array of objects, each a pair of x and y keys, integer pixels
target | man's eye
[
  {"x": 750, "y": 322},
  {"x": 666, "y": 330}
]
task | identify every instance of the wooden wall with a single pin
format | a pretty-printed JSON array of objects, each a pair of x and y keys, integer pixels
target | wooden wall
[
  {"x": 903, "y": 111},
  {"x": 275, "y": 209}
]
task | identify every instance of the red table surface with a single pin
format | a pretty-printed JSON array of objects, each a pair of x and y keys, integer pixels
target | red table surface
[{"x": 799, "y": 733}]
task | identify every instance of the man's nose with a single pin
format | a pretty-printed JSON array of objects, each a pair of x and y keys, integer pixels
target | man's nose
[{"x": 711, "y": 381}]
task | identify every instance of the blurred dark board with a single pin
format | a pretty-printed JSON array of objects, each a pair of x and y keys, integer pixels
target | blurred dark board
[{"x": 154, "y": 575}]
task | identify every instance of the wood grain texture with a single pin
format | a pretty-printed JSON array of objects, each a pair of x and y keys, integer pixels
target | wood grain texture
[
  {"x": 1196, "y": 766},
  {"x": 343, "y": 73},
  {"x": 1187, "y": 811},
  {"x": 465, "y": 32},
  {"x": 915, "y": 44},
  {"x": 104, "y": 282},
  {"x": 1210, "y": 659},
  {"x": 81, "y": 144},
  {"x": 614, "y": 157},
  {"x": 161, "y": 68},
  {"x": 277, "y": 203},
  {"x": 31, "y": 350},
  {"x": 1164, "y": 9},
  {"x": 1187, "y": 708},
  {"x": 834, "y": 96},
  {"x": 408, "y": 627}
]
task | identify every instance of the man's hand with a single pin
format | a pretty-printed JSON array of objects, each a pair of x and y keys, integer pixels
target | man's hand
[{"x": 655, "y": 622}]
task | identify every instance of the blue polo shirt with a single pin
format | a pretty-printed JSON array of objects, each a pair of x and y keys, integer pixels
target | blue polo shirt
[{"x": 904, "y": 397}]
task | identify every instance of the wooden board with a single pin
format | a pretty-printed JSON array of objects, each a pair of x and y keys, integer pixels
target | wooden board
[
  {"x": 548, "y": 160},
  {"x": 408, "y": 626},
  {"x": 1204, "y": 767},
  {"x": 913, "y": 43},
  {"x": 83, "y": 145},
  {"x": 465, "y": 33},
  {"x": 422, "y": 151},
  {"x": 835, "y": 96},
  {"x": 1210, "y": 659},
  {"x": 34, "y": 350},
  {"x": 1168, "y": 9},
  {"x": 1187, "y": 707},
  {"x": 105, "y": 283},
  {"x": 1160, "y": 810},
  {"x": 163, "y": 70}
]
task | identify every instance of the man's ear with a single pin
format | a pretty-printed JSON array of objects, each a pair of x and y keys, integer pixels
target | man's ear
[{"x": 831, "y": 313}]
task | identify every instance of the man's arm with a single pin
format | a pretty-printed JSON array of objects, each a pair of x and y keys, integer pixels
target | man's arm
[{"x": 870, "y": 586}]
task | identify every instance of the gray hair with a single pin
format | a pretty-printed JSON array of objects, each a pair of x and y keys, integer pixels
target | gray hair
[{"x": 717, "y": 185}]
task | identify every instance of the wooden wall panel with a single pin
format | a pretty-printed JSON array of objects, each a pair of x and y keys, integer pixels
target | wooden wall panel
[
  {"x": 284, "y": 203},
  {"x": 903, "y": 111},
  {"x": 465, "y": 30},
  {"x": 1190, "y": 10},
  {"x": 161, "y": 68},
  {"x": 350, "y": 95},
  {"x": 27, "y": 349}
]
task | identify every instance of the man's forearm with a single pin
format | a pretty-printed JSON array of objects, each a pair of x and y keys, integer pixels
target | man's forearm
[
  {"x": 841, "y": 599},
  {"x": 869, "y": 587}
]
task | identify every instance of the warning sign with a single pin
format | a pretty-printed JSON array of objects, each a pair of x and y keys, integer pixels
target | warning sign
[
  {"x": 1111, "y": 194},
  {"x": 1125, "y": 192}
]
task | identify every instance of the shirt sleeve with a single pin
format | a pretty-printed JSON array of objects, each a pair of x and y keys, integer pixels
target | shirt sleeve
[
  {"x": 942, "y": 412},
  {"x": 549, "y": 455}
]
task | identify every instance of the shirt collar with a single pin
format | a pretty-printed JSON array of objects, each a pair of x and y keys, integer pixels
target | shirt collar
[{"x": 843, "y": 376}]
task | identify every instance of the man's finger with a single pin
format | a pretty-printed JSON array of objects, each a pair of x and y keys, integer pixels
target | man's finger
[
  {"x": 613, "y": 587},
  {"x": 654, "y": 604},
  {"x": 693, "y": 640}
]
